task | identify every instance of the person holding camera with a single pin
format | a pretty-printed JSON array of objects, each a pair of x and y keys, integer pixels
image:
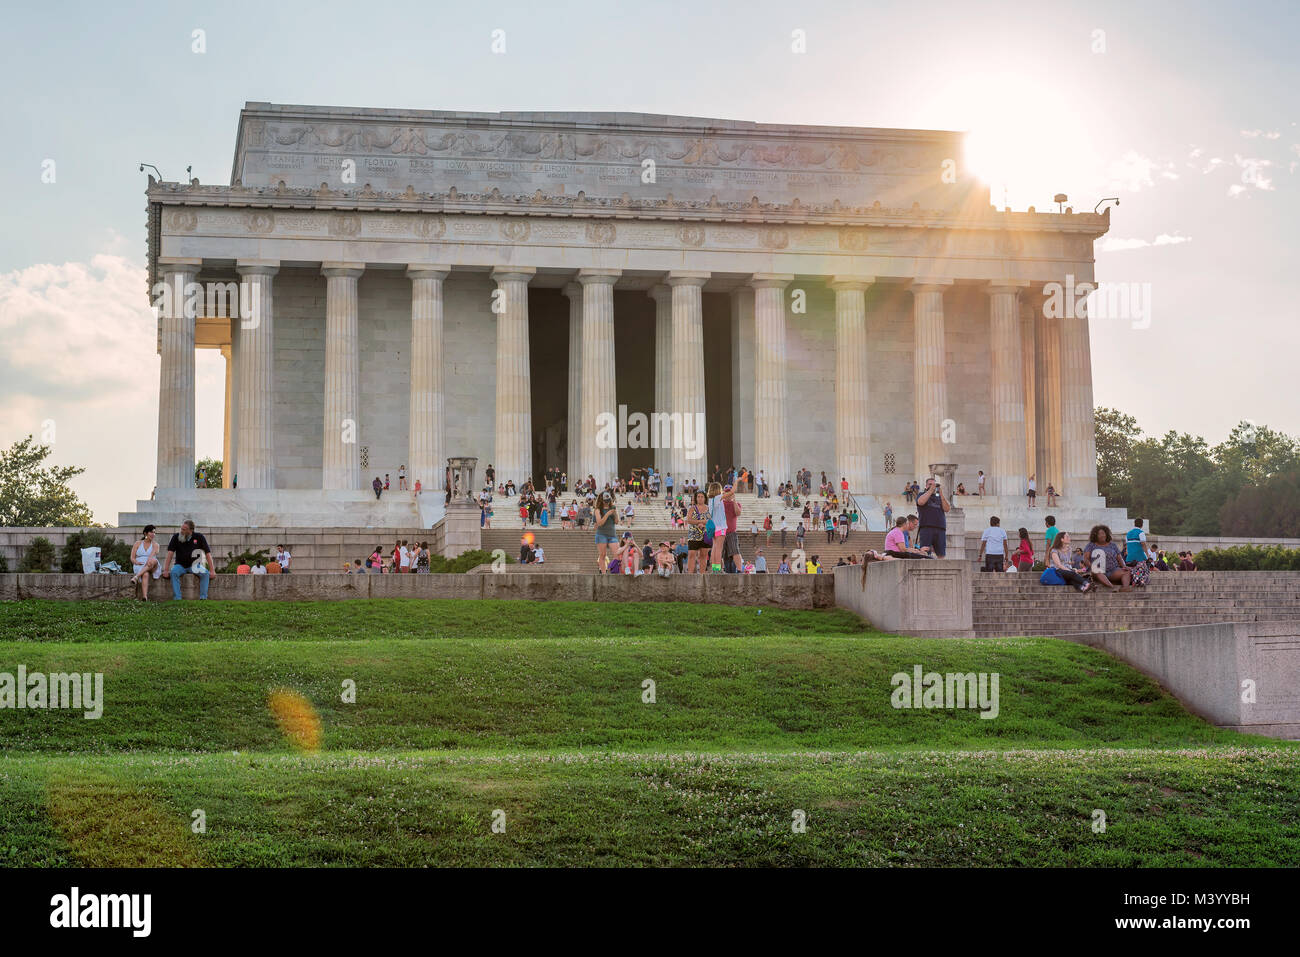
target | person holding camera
[{"x": 931, "y": 509}]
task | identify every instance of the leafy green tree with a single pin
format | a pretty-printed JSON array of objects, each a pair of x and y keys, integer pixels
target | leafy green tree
[
  {"x": 1252, "y": 453},
  {"x": 1270, "y": 509},
  {"x": 39, "y": 556},
  {"x": 213, "y": 469},
  {"x": 34, "y": 495},
  {"x": 1116, "y": 435}
]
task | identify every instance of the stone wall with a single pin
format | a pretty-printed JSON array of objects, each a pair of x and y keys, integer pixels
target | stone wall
[
  {"x": 1242, "y": 676},
  {"x": 384, "y": 333},
  {"x": 777, "y": 591}
]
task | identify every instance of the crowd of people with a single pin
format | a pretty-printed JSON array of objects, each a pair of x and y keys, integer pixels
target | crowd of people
[{"x": 1100, "y": 564}]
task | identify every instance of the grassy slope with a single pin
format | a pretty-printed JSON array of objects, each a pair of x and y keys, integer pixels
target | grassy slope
[{"x": 554, "y": 732}]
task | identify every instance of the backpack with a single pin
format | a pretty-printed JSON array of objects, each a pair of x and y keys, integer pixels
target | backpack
[{"x": 1051, "y": 577}]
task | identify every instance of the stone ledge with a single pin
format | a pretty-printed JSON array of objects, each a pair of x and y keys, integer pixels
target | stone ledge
[{"x": 784, "y": 591}]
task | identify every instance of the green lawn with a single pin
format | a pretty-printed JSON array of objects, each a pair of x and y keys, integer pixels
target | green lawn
[{"x": 463, "y": 708}]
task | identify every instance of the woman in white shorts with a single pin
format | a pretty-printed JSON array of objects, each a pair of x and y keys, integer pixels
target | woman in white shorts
[{"x": 144, "y": 561}]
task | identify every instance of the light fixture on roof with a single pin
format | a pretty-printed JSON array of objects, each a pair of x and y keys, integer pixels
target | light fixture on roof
[
  {"x": 1108, "y": 199},
  {"x": 1060, "y": 199}
]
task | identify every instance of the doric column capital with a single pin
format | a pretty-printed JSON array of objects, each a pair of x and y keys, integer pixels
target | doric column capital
[
  {"x": 573, "y": 290},
  {"x": 1007, "y": 287},
  {"x": 513, "y": 273},
  {"x": 770, "y": 280},
  {"x": 929, "y": 285},
  {"x": 687, "y": 278},
  {"x": 342, "y": 270},
  {"x": 427, "y": 271},
  {"x": 660, "y": 292},
  {"x": 587, "y": 277},
  {"x": 257, "y": 267},
  {"x": 177, "y": 264},
  {"x": 851, "y": 283}
]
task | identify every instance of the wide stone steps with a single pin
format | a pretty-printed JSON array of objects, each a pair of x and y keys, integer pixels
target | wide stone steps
[
  {"x": 1009, "y": 605},
  {"x": 652, "y": 514},
  {"x": 573, "y": 545}
]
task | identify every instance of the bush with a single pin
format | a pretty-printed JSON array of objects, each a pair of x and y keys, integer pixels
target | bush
[
  {"x": 1271, "y": 558},
  {"x": 110, "y": 549},
  {"x": 246, "y": 557},
  {"x": 462, "y": 563},
  {"x": 39, "y": 556}
]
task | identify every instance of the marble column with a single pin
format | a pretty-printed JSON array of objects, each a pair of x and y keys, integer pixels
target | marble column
[
  {"x": 852, "y": 408},
  {"x": 231, "y": 465},
  {"x": 573, "y": 440},
  {"x": 227, "y": 464},
  {"x": 341, "y": 455},
  {"x": 1048, "y": 387},
  {"x": 929, "y": 376},
  {"x": 742, "y": 372},
  {"x": 663, "y": 297},
  {"x": 256, "y": 453},
  {"x": 771, "y": 396},
  {"x": 690, "y": 445},
  {"x": 1028, "y": 362},
  {"x": 513, "y": 445},
  {"x": 1007, "y": 459},
  {"x": 1078, "y": 435},
  {"x": 599, "y": 444},
  {"x": 426, "y": 453},
  {"x": 176, "y": 377}
]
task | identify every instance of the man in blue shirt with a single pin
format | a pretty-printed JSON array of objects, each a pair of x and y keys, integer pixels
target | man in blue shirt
[
  {"x": 931, "y": 507},
  {"x": 1135, "y": 549}
]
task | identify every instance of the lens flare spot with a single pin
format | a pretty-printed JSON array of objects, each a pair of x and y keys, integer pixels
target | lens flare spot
[{"x": 297, "y": 719}]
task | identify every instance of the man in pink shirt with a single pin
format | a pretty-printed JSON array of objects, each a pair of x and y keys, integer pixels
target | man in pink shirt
[{"x": 731, "y": 544}]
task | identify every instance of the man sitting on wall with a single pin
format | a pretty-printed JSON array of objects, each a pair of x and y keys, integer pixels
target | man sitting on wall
[{"x": 188, "y": 552}]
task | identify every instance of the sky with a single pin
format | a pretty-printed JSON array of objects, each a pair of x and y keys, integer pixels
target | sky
[{"x": 1186, "y": 111}]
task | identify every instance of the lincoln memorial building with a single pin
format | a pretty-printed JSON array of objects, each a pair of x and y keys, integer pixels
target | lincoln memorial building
[{"x": 391, "y": 288}]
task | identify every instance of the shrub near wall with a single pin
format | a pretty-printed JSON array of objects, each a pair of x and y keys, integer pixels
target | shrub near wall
[
  {"x": 39, "y": 556},
  {"x": 110, "y": 550},
  {"x": 1272, "y": 558}
]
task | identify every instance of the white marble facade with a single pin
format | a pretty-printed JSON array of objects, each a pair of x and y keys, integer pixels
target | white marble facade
[{"x": 877, "y": 310}]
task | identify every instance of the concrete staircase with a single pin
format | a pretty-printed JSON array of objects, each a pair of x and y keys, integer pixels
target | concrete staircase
[
  {"x": 1018, "y": 605},
  {"x": 287, "y": 508},
  {"x": 574, "y": 546}
]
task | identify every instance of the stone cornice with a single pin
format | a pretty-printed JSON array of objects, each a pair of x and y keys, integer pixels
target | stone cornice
[{"x": 625, "y": 207}]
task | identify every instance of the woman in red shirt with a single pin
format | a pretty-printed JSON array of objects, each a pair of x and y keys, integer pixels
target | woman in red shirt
[{"x": 1024, "y": 555}]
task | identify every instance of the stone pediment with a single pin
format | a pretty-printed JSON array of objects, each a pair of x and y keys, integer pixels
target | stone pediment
[{"x": 632, "y": 158}]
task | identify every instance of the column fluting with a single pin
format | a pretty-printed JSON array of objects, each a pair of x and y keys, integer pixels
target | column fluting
[
  {"x": 176, "y": 379},
  {"x": 256, "y": 455},
  {"x": 513, "y": 443},
  {"x": 340, "y": 451},
  {"x": 771, "y": 398},
  {"x": 426, "y": 443},
  {"x": 852, "y": 407}
]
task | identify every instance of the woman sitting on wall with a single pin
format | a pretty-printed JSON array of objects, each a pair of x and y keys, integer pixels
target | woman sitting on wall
[
  {"x": 1059, "y": 570},
  {"x": 144, "y": 562},
  {"x": 1106, "y": 561}
]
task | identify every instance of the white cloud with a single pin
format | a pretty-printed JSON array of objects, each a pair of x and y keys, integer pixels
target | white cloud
[
  {"x": 1114, "y": 244},
  {"x": 1256, "y": 134},
  {"x": 80, "y": 354},
  {"x": 1133, "y": 172},
  {"x": 1254, "y": 175}
]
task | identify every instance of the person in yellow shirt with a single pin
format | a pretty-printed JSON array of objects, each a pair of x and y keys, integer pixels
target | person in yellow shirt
[{"x": 813, "y": 567}]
